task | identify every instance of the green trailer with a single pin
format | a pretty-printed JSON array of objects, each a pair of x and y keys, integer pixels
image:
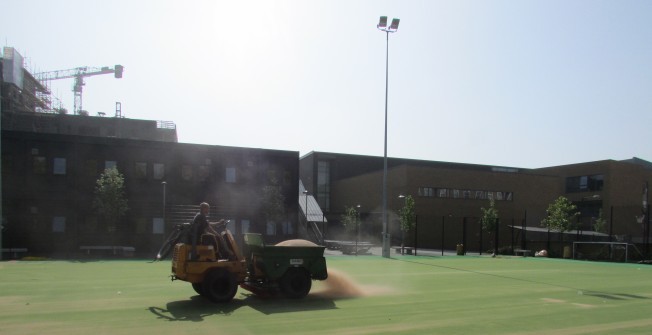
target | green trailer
[{"x": 287, "y": 269}]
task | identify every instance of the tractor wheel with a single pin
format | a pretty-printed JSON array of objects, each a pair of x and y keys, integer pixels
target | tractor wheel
[
  {"x": 198, "y": 287},
  {"x": 296, "y": 283},
  {"x": 219, "y": 286}
]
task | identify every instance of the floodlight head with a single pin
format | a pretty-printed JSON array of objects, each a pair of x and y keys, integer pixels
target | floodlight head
[
  {"x": 401, "y": 196},
  {"x": 394, "y": 25},
  {"x": 383, "y": 22}
]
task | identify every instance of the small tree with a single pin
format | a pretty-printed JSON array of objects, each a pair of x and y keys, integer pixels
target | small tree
[
  {"x": 350, "y": 219},
  {"x": 351, "y": 222},
  {"x": 490, "y": 222},
  {"x": 406, "y": 218},
  {"x": 110, "y": 201},
  {"x": 600, "y": 224},
  {"x": 561, "y": 215},
  {"x": 273, "y": 202}
]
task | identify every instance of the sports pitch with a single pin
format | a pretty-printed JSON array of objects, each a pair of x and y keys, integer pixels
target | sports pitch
[{"x": 366, "y": 295}]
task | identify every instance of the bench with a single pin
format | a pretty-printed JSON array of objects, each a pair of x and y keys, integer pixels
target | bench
[
  {"x": 115, "y": 250},
  {"x": 524, "y": 252},
  {"x": 14, "y": 251},
  {"x": 349, "y": 248},
  {"x": 408, "y": 250}
]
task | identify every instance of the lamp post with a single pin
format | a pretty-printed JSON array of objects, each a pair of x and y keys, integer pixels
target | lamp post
[
  {"x": 357, "y": 227},
  {"x": 382, "y": 26},
  {"x": 164, "y": 203},
  {"x": 305, "y": 194},
  {"x": 401, "y": 196}
]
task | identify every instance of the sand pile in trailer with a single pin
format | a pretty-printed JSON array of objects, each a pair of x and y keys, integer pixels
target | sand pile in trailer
[{"x": 296, "y": 243}]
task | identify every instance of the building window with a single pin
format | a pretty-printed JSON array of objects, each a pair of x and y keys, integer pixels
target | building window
[
  {"x": 324, "y": 185},
  {"x": 39, "y": 165},
  {"x": 442, "y": 193},
  {"x": 271, "y": 228},
  {"x": 110, "y": 165},
  {"x": 244, "y": 224},
  {"x": 287, "y": 228},
  {"x": 158, "y": 226},
  {"x": 59, "y": 224},
  {"x": 186, "y": 172},
  {"x": 159, "y": 171},
  {"x": 230, "y": 175},
  {"x": 59, "y": 166},
  {"x": 591, "y": 183},
  {"x": 426, "y": 192},
  {"x": 140, "y": 170}
]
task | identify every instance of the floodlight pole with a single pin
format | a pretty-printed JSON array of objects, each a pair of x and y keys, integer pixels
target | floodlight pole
[{"x": 382, "y": 25}]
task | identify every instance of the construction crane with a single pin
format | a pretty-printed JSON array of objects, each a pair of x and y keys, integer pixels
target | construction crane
[{"x": 79, "y": 74}]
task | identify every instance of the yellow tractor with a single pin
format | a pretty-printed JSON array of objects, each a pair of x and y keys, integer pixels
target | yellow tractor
[{"x": 266, "y": 270}]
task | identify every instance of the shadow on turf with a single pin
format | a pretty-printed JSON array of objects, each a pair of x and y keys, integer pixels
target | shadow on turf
[{"x": 198, "y": 308}]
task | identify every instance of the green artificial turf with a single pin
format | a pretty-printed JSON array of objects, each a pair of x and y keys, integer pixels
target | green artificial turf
[{"x": 404, "y": 295}]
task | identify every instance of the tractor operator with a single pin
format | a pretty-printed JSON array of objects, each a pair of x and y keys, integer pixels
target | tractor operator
[{"x": 201, "y": 226}]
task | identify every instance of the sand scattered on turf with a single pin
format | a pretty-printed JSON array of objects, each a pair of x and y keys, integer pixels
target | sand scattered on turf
[
  {"x": 339, "y": 285},
  {"x": 584, "y": 305}
]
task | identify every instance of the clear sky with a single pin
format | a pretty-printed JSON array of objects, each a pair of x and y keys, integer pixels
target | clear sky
[{"x": 511, "y": 83}]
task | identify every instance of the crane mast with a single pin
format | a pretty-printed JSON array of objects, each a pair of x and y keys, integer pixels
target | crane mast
[{"x": 78, "y": 73}]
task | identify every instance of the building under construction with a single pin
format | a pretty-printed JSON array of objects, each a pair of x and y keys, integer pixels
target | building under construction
[{"x": 27, "y": 105}]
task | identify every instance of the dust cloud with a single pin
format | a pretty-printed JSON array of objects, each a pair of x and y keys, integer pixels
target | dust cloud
[{"x": 339, "y": 285}]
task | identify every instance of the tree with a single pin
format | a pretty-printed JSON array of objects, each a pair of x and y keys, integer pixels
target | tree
[
  {"x": 406, "y": 218},
  {"x": 561, "y": 215},
  {"x": 110, "y": 201},
  {"x": 350, "y": 219},
  {"x": 273, "y": 202},
  {"x": 489, "y": 217},
  {"x": 600, "y": 223},
  {"x": 490, "y": 222},
  {"x": 351, "y": 222}
]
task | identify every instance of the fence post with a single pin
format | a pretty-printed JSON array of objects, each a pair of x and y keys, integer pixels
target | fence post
[
  {"x": 416, "y": 217},
  {"x": 647, "y": 231},
  {"x": 480, "y": 237},
  {"x": 443, "y": 217},
  {"x": 464, "y": 235},
  {"x": 512, "y": 245},
  {"x": 524, "y": 230},
  {"x": 496, "y": 238},
  {"x": 611, "y": 223}
]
